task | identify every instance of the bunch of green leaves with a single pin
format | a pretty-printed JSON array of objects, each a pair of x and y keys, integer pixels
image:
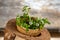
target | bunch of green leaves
[
  {"x": 25, "y": 11},
  {"x": 30, "y": 22}
]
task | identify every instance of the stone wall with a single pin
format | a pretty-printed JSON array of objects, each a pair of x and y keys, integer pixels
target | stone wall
[{"x": 10, "y": 8}]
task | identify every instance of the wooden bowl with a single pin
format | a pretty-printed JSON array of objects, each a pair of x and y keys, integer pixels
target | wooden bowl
[{"x": 31, "y": 32}]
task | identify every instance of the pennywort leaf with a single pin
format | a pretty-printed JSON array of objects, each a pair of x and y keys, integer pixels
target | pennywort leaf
[{"x": 30, "y": 22}]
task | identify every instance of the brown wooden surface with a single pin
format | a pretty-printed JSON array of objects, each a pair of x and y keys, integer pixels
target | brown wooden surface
[{"x": 11, "y": 30}]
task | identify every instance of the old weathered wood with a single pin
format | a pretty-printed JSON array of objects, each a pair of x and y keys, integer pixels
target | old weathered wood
[{"x": 12, "y": 32}]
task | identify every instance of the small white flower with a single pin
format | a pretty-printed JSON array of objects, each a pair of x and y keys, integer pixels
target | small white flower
[
  {"x": 37, "y": 24},
  {"x": 30, "y": 23}
]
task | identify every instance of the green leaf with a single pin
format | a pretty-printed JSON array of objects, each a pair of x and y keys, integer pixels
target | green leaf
[
  {"x": 18, "y": 20},
  {"x": 46, "y": 20}
]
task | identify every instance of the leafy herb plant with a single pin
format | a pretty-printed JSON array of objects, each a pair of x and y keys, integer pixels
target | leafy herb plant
[{"x": 30, "y": 22}]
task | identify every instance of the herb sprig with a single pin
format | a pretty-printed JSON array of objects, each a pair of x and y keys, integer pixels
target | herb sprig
[{"x": 30, "y": 22}]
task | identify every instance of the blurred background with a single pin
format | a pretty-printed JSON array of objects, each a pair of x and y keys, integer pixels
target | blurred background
[{"x": 39, "y": 8}]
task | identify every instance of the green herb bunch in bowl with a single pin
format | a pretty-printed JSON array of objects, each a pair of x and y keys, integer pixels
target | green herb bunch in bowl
[{"x": 30, "y": 25}]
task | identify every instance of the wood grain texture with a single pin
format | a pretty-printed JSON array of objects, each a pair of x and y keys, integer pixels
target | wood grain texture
[{"x": 12, "y": 29}]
